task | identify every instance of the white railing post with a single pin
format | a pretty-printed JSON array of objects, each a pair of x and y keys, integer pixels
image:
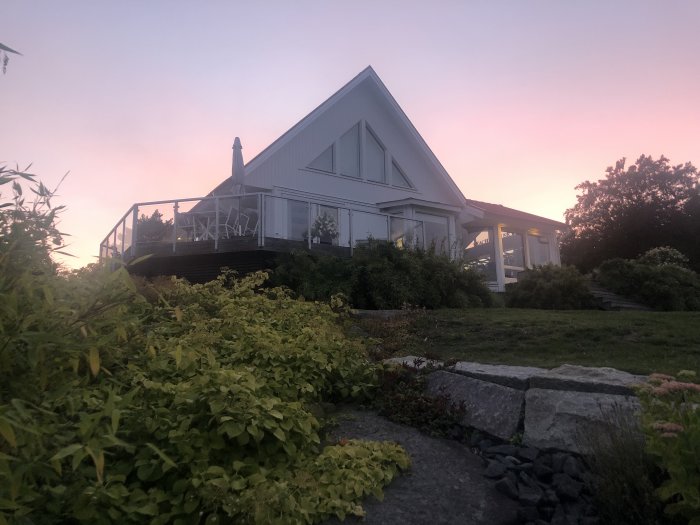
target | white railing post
[
  {"x": 352, "y": 241},
  {"x": 134, "y": 229},
  {"x": 216, "y": 223},
  {"x": 175, "y": 208},
  {"x": 261, "y": 219}
]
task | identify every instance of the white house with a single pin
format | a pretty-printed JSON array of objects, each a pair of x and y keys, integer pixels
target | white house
[{"x": 354, "y": 168}]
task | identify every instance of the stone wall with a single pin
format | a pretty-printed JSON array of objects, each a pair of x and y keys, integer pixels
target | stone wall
[{"x": 548, "y": 409}]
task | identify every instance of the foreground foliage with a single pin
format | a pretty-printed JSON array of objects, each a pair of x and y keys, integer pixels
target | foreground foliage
[
  {"x": 165, "y": 402},
  {"x": 382, "y": 276},
  {"x": 672, "y": 430}
]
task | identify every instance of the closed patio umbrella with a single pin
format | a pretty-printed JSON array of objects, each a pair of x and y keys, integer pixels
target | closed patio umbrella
[{"x": 238, "y": 168}]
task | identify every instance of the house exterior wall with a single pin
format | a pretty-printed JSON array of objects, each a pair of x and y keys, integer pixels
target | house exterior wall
[{"x": 286, "y": 169}]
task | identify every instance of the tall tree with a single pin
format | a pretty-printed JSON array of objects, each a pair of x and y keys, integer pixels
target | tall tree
[{"x": 633, "y": 209}]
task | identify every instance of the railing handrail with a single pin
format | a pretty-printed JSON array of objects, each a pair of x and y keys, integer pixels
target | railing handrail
[{"x": 134, "y": 207}]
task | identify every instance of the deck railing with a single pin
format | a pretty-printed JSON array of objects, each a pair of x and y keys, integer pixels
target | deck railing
[{"x": 249, "y": 221}]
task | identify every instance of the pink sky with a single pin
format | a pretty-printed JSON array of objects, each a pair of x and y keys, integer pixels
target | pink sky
[{"x": 520, "y": 100}]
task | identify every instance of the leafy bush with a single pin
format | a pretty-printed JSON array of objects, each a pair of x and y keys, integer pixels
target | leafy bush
[
  {"x": 167, "y": 402},
  {"x": 671, "y": 419},
  {"x": 663, "y": 255},
  {"x": 652, "y": 280},
  {"x": 549, "y": 287},
  {"x": 403, "y": 399},
  {"x": 382, "y": 276}
]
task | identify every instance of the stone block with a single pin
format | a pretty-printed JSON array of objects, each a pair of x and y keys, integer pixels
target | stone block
[
  {"x": 414, "y": 361},
  {"x": 601, "y": 380},
  {"x": 491, "y": 408},
  {"x": 510, "y": 376},
  {"x": 562, "y": 420}
]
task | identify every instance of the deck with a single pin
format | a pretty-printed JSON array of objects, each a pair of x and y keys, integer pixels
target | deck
[{"x": 196, "y": 237}]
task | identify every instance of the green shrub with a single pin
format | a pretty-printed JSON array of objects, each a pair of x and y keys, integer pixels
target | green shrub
[
  {"x": 402, "y": 398},
  {"x": 663, "y": 255},
  {"x": 549, "y": 287},
  {"x": 671, "y": 420},
  {"x": 650, "y": 280},
  {"x": 167, "y": 402},
  {"x": 382, "y": 276}
]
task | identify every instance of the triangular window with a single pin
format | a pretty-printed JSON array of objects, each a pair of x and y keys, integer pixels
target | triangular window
[
  {"x": 324, "y": 162},
  {"x": 349, "y": 154},
  {"x": 374, "y": 158},
  {"x": 398, "y": 178}
]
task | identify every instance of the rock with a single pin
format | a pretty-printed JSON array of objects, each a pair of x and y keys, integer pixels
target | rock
[
  {"x": 529, "y": 495},
  {"x": 601, "y": 380},
  {"x": 566, "y": 487},
  {"x": 414, "y": 362},
  {"x": 506, "y": 450},
  {"x": 542, "y": 471},
  {"x": 562, "y": 420},
  {"x": 528, "y": 453},
  {"x": 507, "y": 486},
  {"x": 492, "y": 408},
  {"x": 558, "y": 460},
  {"x": 484, "y": 444},
  {"x": 495, "y": 469},
  {"x": 517, "y": 377},
  {"x": 571, "y": 467},
  {"x": 528, "y": 514}
]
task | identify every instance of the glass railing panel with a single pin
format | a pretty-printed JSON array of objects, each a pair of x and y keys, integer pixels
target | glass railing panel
[
  {"x": 366, "y": 225},
  {"x": 155, "y": 223},
  {"x": 286, "y": 219},
  {"x": 406, "y": 233}
]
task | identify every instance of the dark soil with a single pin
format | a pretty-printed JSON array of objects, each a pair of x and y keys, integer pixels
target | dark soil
[{"x": 445, "y": 485}]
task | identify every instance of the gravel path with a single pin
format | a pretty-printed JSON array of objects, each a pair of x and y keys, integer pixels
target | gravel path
[{"x": 445, "y": 485}]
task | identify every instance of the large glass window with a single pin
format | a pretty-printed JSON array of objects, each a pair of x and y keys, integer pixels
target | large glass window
[
  {"x": 298, "y": 220},
  {"x": 350, "y": 152},
  {"x": 435, "y": 231},
  {"x": 513, "y": 253},
  {"x": 538, "y": 245},
  {"x": 480, "y": 253}
]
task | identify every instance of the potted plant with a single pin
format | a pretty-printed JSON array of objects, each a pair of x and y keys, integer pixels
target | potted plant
[{"x": 325, "y": 229}]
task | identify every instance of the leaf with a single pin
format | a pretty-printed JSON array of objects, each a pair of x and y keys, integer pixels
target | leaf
[
  {"x": 94, "y": 359},
  {"x": 178, "y": 314},
  {"x": 178, "y": 355},
  {"x": 8, "y": 433},
  {"x": 116, "y": 414},
  {"x": 67, "y": 451},
  {"x": 162, "y": 455}
]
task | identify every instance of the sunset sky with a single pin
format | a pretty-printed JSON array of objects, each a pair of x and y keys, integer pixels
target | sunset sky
[{"x": 520, "y": 100}]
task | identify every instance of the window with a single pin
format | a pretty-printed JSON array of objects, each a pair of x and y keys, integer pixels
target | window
[
  {"x": 480, "y": 253},
  {"x": 349, "y": 157},
  {"x": 398, "y": 178},
  {"x": 374, "y": 158},
  {"x": 538, "y": 245},
  {"x": 435, "y": 232},
  {"x": 324, "y": 162},
  {"x": 369, "y": 162}
]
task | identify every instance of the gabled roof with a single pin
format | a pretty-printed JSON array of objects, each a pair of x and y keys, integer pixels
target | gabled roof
[
  {"x": 500, "y": 211},
  {"x": 367, "y": 74}
]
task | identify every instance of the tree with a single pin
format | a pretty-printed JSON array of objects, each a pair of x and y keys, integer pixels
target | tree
[{"x": 649, "y": 204}]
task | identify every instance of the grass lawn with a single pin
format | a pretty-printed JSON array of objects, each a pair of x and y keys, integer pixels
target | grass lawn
[{"x": 639, "y": 342}]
